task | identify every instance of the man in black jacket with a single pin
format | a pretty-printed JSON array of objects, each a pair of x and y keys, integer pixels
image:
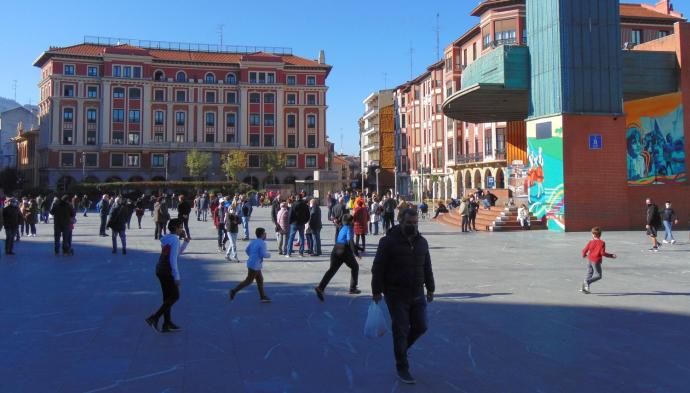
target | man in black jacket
[
  {"x": 63, "y": 212},
  {"x": 298, "y": 217},
  {"x": 183, "y": 211},
  {"x": 104, "y": 206},
  {"x": 10, "y": 215},
  {"x": 389, "y": 206},
  {"x": 339, "y": 210},
  {"x": 117, "y": 222},
  {"x": 653, "y": 221},
  {"x": 401, "y": 270},
  {"x": 315, "y": 225}
]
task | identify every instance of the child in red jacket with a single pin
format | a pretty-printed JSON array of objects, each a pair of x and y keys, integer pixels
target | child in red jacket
[{"x": 595, "y": 250}]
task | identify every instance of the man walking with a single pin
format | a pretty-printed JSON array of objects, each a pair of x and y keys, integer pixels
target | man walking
[
  {"x": 670, "y": 218},
  {"x": 389, "y": 206},
  {"x": 315, "y": 225},
  {"x": 117, "y": 221},
  {"x": 10, "y": 215},
  {"x": 339, "y": 210},
  {"x": 653, "y": 220},
  {"x": 298, "y": 216},
  {"x": 104, "y": 210},
  {"x": 183, "y": 211},
  {"x": 245, "y": 214},
  {"x": 63, "y": 212},
  {"x": 401, "y": 270},
  {"x": 465, "y": 214}
]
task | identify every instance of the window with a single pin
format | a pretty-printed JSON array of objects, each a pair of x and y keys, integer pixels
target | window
[
  {"x": 69, "y": 69},
  {"x": 210, "y": 138},
  {"x": 90, "y": 115},
  {"x": 310, "y": 161},
  {"x": 117, "y": 71},
  {"x": 117, "y": 160},
  {"x": 210, "y": 97},
  {"x": 291, "y": 161},
  {"x": 268, "y": 140},
  {"x": 230, "y": 137},
  {"x": 506, "y": 37},
  {"x": 127, "y": 71},
  {"x": 159, "y": 118},
  {"x": 254, "y": 140},
  {"x": 180, "y": 118},
  {"x": 230, "y": 98},
  {"x": 136, "y": 72},
  {"x": 118, "y": 92},
  {"x": 636, "y": 36},
  {"x": 210, "y": 78},
  {"x": 67, "y": 159},
  {"x": 67, "y": 137},
  {"x": 253, "y": 161},
  {"x": 292, "y": 141},
  {"x": 68, "y": 115},
  {"x": 68, "y": 90},
  {"x": 118, "y": 115},
  {"x": 92, "y": 71},
  {"x": 159, "y": 76},
  {"x": 292, "y": 99},
  {"x": 271, "y": 78},
  {"x": 269, "y": 98},
  {"x": 210, "y": 119},
  {"x": 291, "y": 80},
  {"x": 158, "y": 137},
  {"x": 311, "y": 99},
  {"x": 403, "y": 119},
  {"x": 133, "y": 138},
  {"x": 662, "y": 34},
  {"x": 254, "y": 119},
  {"x": 134, "y": 93},
  {"x": 311, "y": 80},
  {"x": 474, "y": 51},
  {"x": 91, "y": 159},
  {"x": 501, "y": 142},
  {"x": 159, "y": 95},
  {"x": 254, "y": 98},
  {"x": 311, "y": 121},
  {"x": 231, "y": 79},
  {"x": 179, "y": 138},
  {"x": 476, "y": 144},
  {"x": 262, "y": 77},
  {"x": 92, "y": 91},
  {"x": 158, "y": 160},
  {"x": 91, "y": 137},
  {"x": 230, "y": 120},
  {"x": 132, "y": 160},
  {"x": 291, "y": 121},
  {"x": 487, "y": 38},
  {"x": 181, "y": 76},
  {"x": 180, "y": 96},
  {"x": 252, "y": 77},
  {"x": 134, "y": 116},
  {"x": 268, "y": 120},
  {"x": 311, "y": 141},
  {"x": 118, "y": 137}
]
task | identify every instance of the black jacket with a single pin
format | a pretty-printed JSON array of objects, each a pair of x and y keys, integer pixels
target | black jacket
[
  {"x": 402, "y": 267},
  {"x": 669, "y": 214},
  {"x": 299, "y": 213},
  {"x": 183, "y": 209},
  {"x": 315, "y": 217},
  {"x": 10, "y": 216},
  {"x": 62, "y": 214},
  {"x": 339, "y": 210},
  {"x": 117, "y": 220},
  {"x": 275, "y": 208},
  {"x": 653, "y": 218}
]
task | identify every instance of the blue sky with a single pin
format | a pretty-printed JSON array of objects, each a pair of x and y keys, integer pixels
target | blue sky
[{"x": 363, "y": 40}]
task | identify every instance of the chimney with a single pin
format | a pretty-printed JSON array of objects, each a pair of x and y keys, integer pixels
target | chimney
[
  {"x": 322, "y": 57},
  {"x": 664, "y": 6}
]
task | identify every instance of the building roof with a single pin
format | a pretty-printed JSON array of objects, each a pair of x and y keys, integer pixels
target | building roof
[
  {"x": 93, "y": 50},
  {"x": 644, "y": 11},
  {"x": 486, "y": 4}
]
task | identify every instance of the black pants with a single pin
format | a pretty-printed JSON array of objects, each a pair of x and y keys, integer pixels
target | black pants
[
  {"x": 387, "y": 221},
  {"x": 408, "y": 317},
  {"x": 341, "y": 254},
  {"x": 160, "y": 230},
  {"x": 472, "y": 224},
  {"x": 252, "y": 275},
  {"x": 465, "y": 223},
  {"x": 103, "y": 222},
  {"x": 364, "y": 241},
  {"x": 9, "y": 239},
  {"x": 64, "y": 233},
  {"x": 185, "y": 221},
  {"x": 221, "y": 236},
  {"x": 171, "y": 293}
]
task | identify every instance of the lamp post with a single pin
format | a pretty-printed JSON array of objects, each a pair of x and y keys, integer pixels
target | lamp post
[
  {"x": 83, "y": 166},
  {"x": 378, "y": 170},
  {"x": 166, "y": 166},
  {"x": 395, "y": 181}
]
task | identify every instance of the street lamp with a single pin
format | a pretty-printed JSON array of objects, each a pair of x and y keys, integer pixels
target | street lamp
[
  {"x": 395, "y": 181},
  {"x": 166, "y": 166},
  {"x": 377, "y": 180},
  {"x": 83, "y": 166}
]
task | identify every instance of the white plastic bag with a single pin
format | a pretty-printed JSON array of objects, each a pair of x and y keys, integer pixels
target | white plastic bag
[{"x": 375, "y": 325}]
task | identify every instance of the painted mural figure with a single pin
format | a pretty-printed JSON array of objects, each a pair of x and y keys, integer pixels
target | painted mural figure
[
  {"x": 535, "y": 174},
  {"x": 637, "y": 164}
]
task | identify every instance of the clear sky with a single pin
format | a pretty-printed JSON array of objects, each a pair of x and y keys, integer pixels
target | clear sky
[{"x": 367, "y": 42}]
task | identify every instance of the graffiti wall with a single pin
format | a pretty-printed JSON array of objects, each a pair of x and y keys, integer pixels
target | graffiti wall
[
  {"x": 655, "y": 140},
  {"x": 544, "y": 185}
]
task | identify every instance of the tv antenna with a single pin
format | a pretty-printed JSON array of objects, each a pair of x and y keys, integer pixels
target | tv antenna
[
  {"x": 220, "y": 33},
  {"x": 437, "y": 30},
  {"x": 411, "y": 61}
]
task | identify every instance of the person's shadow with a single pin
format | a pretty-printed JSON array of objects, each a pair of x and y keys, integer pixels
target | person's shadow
[
  {"x": 460, "y": 296},
  {"x": 655, "y": 293}
]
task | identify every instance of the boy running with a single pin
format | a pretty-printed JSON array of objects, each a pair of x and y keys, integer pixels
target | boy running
[
  {"x": 256, "y": 251},
  {"x": 595, "y": 250}
]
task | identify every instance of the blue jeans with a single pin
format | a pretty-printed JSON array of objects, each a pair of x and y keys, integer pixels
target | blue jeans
[
  {"x": 376, "y": 227},
  {"x": 86, "y": 209},
  {"x": 123, "y": 238},
  {"x": 294, "y": 228},
  {"x": 316, "y": 233},
  {"x": 232, "y": 247},
  {"x": 245, "y": 227},
  {"x": 668, "y": 231}
]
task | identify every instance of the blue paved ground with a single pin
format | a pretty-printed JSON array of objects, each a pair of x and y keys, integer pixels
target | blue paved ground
[{"x": 508, "y": 318}]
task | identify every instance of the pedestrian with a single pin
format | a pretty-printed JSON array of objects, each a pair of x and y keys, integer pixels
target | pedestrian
[
  {"x": 339, "y": 210},
  {"x": 441, "y": 208},
  {"x": 283, "y": 228},
  {"x": 401, "y": 270},
  {"x": 361, "y": 218},
  {"x": 344, "y": 251},
  {"x": 85, "y": 204},
  {"x": 256, "y": 253},
  {"x": 183, "y": 211},
  {"x": 275, "y": 208},
  {"x": 168, "y": 274},
  {"x": 595, "y": 250},
  {"x": 298, "y": 217},
  {"x": 204, "y": 204},
  {"x": 103, "y": 207},
  {"x": 31, "y": 217},
  {"x": 10, "y": 215},
  {"x": 232, "y": 228},
  {"x": 315, "y": 226},
  {"x": 472, "y": 210},
  {"x": 161, "y": 216},
  {"x": 389, "y": 206},
  {"x": 117, "y": 222},
  {"x": 653, "y": 222},
  {"x": 465, "y": 215},
  {"x": 20, "y": 228},
  {"x": 523, "y": 217},
  {"x": 375, "y": 211},
  {"x": 219, "y": 222},
  {"x": 44, "y": 206},
  {"x": 245, "y": 214},
  {"x": 139, "y": 209},
  {"x": 669, "y": 218},
  {"x": 63, "y": 218}
]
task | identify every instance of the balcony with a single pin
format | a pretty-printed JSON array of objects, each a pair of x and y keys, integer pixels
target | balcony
[
  {"x": 495, "y": 89},
  {"x": 370, "y": 146},
  {"x": 473, "y": 158}
]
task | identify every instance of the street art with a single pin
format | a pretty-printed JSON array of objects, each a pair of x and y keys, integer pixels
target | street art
[
  {"x": 545, "y": 182},
  {"x": 655, "y": 140}
]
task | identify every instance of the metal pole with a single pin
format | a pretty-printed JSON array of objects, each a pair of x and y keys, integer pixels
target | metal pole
[
  {"x": 166, "y": 167},
  {"x": 377, "y": 180},
  {"x": 395, "y": 181}
]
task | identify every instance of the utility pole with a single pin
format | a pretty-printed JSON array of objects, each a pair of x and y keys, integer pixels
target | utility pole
[
  {"x": 341, "y": 141},
  {"x": 14, "y": 87},
  {"x": 385, "y": 80},
  {"x": 411, "y": 61},
  {"x": 438, "y": 38},
  {"x": 220, "y": 34}
]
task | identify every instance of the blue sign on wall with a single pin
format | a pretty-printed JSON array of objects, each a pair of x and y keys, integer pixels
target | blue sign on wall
[
  {"x": 595, "y": 142},
  {"x": 491, "y": 182}
]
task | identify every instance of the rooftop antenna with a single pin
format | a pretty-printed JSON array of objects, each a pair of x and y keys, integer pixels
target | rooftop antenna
[
  {"x": 438, "y": 38},
  {"x": 220, "y": 33},
  {"x": 341, "y": 141},
  {"x": 14, "y": 87},
  {"x": 385, "y": 80},
  {"x": 411, "y": 61}
]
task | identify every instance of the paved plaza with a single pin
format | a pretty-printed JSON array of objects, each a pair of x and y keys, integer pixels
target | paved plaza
[{"x": 508, "y": 317}]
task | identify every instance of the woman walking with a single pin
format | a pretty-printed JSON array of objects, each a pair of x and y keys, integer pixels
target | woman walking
[
  {"x": 361, "y": 218},
  {"x": 232, "y": 227},
  {"x": 139, "y": 209},
  {"x": 345, "y": 251}
]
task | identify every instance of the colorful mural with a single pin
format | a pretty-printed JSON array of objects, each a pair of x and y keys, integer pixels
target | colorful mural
[
  {"x": 655, "y": 140},
  {"x": 546, "y": 192}
]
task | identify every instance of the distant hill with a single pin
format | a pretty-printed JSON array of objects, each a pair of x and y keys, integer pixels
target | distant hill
[{"x": 6, "y": 103}]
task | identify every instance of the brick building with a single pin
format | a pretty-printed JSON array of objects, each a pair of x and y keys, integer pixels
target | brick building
[
  {"x": 114, "y": 111},
  {"x": 376, "y": 141}
]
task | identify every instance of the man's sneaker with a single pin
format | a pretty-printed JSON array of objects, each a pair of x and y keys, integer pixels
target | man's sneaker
[
  {"x": 406, "y": 377},
  {"x": 153, "y": 322},
  {"x": 265, "y": 299},
  {"x": 655, "y": 249},
  {"x": 319, "y": 293},
  {"x": 665, "y": 241},
  {"x": 301, "y": 255},
  {"x": 170, "y": 328},
  {"x": 287, "y": 255},
  {"x": 355, "y": 291},
  {"x": 673, "y": 241},
  {"x": 227, "y": 258},
  {"x": 237, "y": 260},
  {"x": 584, "y": 288}
]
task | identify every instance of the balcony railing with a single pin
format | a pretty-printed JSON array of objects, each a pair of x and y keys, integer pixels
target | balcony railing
[{"x": 469, "y": 158}]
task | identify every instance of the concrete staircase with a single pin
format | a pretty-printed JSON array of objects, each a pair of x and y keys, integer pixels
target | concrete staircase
[{"x": 495, "y": 220}]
